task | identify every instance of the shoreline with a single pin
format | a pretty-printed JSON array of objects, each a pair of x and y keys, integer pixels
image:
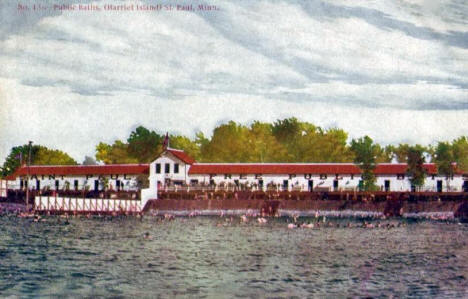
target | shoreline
[
  {"x": 391, "y": 208},
  {"x": 290, "y": 208}
]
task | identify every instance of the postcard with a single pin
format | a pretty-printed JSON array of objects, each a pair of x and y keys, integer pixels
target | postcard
[{"x": 222, "y": 148}]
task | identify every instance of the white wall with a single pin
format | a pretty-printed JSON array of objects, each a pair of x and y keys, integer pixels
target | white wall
[
  {"x": 128, "y": 182},
  {"x": 3, "y": 188},
  {"x": 171, "y": 160},
  {"x": 345, "y": 182}
]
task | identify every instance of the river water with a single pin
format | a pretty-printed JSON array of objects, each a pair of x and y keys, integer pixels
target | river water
[{"x": 214, "y": 257}]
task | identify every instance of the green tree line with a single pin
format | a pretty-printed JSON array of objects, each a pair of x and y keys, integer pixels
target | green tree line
[
  {"x": 40, "y": 155},
  {"x": 286, "y": 140}
]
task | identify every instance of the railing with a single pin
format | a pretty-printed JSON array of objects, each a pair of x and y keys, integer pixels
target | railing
[
  {"x": 56, "y": 204},
  {"x": 3, "y": 188},
  {"x": 232, "y": 188},
  {"x": 206, "y": 194},
  {"x": 20, "y": 195}
]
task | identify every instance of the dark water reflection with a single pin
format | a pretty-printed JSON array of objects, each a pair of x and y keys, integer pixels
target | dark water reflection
[{"x": 198, "y": 257}]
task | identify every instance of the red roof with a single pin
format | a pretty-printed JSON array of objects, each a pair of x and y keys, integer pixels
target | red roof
[
  {"x": 272, "y": 168},
  {"x": 401, "y": 168},
  {"x": 290, "y": 168},
  {"x": 181, "y": 155},
  {"x": 80, "y": 169},
  {"x": 10, "y": 177}
]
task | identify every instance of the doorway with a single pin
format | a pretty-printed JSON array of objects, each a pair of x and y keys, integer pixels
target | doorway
[
  {"x": 439, "y": 185},
  {"x": 335, "y": 185},
  {"x": 387, "y": 185},
  {"x": 260, "y": 184},
  {"x": 285, "y": 185},
  {"x": 310, "y": 185}
]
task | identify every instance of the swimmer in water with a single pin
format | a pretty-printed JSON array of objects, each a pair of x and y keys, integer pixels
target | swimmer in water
[{"x": 292, "y": 225}]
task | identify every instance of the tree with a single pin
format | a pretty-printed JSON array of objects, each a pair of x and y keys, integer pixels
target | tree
[
  {"x": 45, "y": 156},
  {"x": 388, "y": 154},
  {"x": 443, "y": 158},
  {"x": 415, "y": 170},
  {"x": 40, "y": 155},
  {"x": 184, "y": 143},
  {"x": 460, "y": 152},
  {"x": 289, "y": 132},
  {"x": 18, "y": 156},
  {"x": 401, "y": 152},
  {"x": 144, "y": 145},
  {"x": 228, "y": 144},
  {"x": 318, "y": 145},
  {"x": 116, "y": 153},
  {"x": 365, "y": 155},
  {"x": 262, "y": 145}
]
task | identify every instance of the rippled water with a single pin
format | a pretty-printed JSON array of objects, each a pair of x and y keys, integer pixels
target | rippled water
[{"x": 199, "y": 257}]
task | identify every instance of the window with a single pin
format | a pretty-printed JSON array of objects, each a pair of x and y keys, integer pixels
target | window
[
  {"x": 57, "y": 184},
  {"x": 158, "y": 167},
  {"x": 76, "y": 185},
  {"x": 117, "y": 184},
  {"x": 176, "y": 168},
  {"x": 400, "y": 176},
  {"x": 323, "y": 176},
  {"x": 167, "y": 168},
  {"x": 352, "y": 176}
]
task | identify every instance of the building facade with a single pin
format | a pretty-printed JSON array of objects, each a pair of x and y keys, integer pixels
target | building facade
[
  {"x": 117, "y": 177},
  {"x": 175, "y": 169}
]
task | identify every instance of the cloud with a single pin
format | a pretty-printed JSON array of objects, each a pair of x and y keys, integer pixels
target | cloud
[
  {"x": 394, "y": 71},
  {"x": 82, "y": 121}
]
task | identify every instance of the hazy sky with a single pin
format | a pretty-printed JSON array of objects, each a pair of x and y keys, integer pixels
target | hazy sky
[{"x": 394, "y": 70}]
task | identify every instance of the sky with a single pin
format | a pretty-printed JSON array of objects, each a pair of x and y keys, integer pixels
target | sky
[{"x": 394, "y": 70}]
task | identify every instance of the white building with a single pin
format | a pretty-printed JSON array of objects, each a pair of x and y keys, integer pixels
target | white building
[
  {"x": 117, "y": 177},
  {"x": 174, "y": 167}
]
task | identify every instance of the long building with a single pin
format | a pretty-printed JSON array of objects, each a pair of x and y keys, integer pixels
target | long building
[
  {"x": 174, "y": 168},
  {"x": 118, "y": 177}
]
